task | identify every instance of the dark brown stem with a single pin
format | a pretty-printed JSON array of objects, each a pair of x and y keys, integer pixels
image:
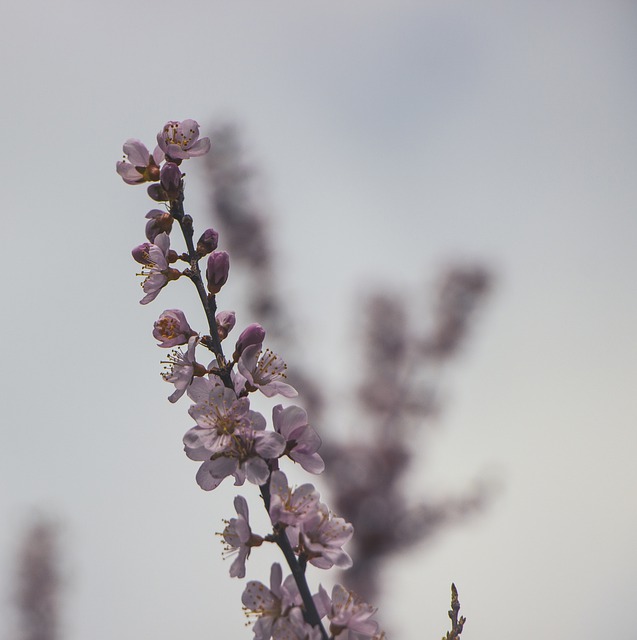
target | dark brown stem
[{"x": 208, "y": 301}]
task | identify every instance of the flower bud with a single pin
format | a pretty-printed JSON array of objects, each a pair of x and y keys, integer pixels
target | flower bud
[
  {"x": 207, "y": 243},
  {"x": 170, "y": 180},
  {"x": 157, "y": 193},
  {"x": 225, "y": 323},
  {"x": 141, "y": 255},
  {"x": 251, "y": 335},
  {"x": 158, "y": 222},
  {"x": 217, "y": 270}
]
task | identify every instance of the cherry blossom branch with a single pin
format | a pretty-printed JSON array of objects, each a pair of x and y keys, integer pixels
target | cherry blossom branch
[{"x": 229, "y": 438}]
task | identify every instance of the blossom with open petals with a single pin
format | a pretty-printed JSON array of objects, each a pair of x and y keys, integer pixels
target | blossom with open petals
[
  {"x": 302, "y": 441},
  {"x": 270, "y": 605},
  {"x": 138, "y": 164},
  {"x": 180, "y": 140},
  {"x": 172, "y": 329},
  {"x": 265, "y": 372},
  {"x": 244, "y": 457},
  {"x": 350, "y": 612},
  {"x": 157, "y": 273},
  {"x": 181, "y": 368},
  {"x": 323, "y": 536},
  {"x": 291, "y": 507},
  {"x": 219, "y": 414},
  {"x": 239, "y": 538}
]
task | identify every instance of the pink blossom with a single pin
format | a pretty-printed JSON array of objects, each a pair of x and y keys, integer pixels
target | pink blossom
[
  {"x": 294, "y": 627},
  {"x": 180, "y": 140},
  {"x": 265, "y": 372},
  {"x": 350, "y": 612},
  {"x": 181, "y": 368},
  {"x": 291, "y": 507},
  {"x": 156, "y": 271},
  {"x": 172, "y": 329},
  {"x": 302, "y": 441},
  {"x": 138, "y": 164},
  {"x": 322, "y": 535},
  {"x": 271, "y": 605},
  {"x": 229, "y": 438},
  {"x": 245, "y": 458},
  {"x": 219, "y": 414},
  {"x": 239, "y": 538}
]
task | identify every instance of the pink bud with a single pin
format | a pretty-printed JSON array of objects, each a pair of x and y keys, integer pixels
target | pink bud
[
  {"x": 251, "y": 335},
  {"x": 158, "y": 222},
  {"x": 225, "y": 323},
  {"x": 208, "y": 242},
  {"x": 217, "y": 270},
  {"x": 170, "y": 179}
]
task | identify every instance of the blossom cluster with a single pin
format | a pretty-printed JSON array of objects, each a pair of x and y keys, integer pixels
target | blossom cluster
[{"x": 229, "y": 438}]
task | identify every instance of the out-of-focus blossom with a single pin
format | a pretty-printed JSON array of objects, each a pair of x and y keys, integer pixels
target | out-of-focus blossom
[
  {"x": 180, "y": 140},
  {"x": 217, "y": 270},
  {"x": 225, "y": 323},
  {"x": 302, "y": 441},
  {"x": 253, "y": 334},
  {"x": 138, "y": 164},
  {"x": 181, "y": 368},
  {"x": 265, "y": 372},
  {"x": 291, "y": 507},
  {"x": 170, "y": 180},
  {"x": 323, "y": 536},
  {"x": 350, "y": 612},
  {"x": 207, "y": 243},
  {"x": 158, "y": 222},
  {"x": 239, "y": 538},
  {"x": 172, "y": 329}
]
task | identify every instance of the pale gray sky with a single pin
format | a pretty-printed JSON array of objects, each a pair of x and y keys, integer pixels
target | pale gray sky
[{"x": 393, "y": 137}]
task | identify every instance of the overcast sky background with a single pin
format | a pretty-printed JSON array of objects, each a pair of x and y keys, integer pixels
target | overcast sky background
[{"x": 394, "y": 137}]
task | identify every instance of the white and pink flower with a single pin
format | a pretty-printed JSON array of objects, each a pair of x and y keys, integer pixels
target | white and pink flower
[
  {"x": 264, "y": 372},
  {"x": 180, "y": 140},
  {"x": 302, "y": 441},
  {"x": 239, "y": 538},
  {"x": 138, "y": 164}
]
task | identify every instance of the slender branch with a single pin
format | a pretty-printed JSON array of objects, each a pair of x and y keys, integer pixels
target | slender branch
[{"x": 208, "y": 301}]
